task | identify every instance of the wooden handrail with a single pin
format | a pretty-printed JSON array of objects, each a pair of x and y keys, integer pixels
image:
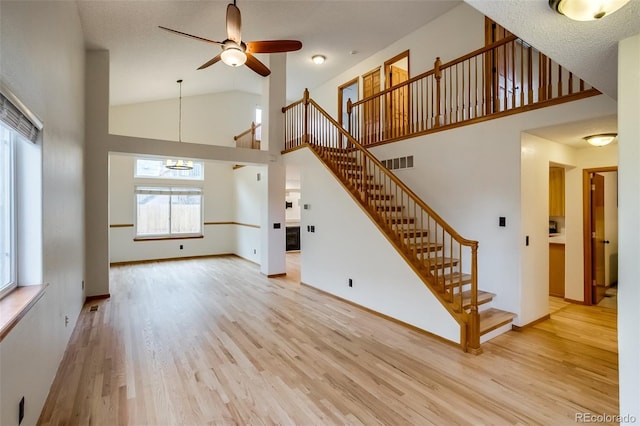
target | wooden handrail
[
  {"x": 480, "y": 51},
  {"x": 393, "y": 177},
  {"x": 251, "y": 142},
  {"x": 248, "y": 131},
  {"x": 431, "y": 71},
  {"x": 433, "y": 248},
  {"x": 507, "y": 76}
]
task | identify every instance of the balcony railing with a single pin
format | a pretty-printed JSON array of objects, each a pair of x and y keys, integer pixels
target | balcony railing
[
  {"x": 503, "y": 78},
  {"x": 250, "y": 138}
]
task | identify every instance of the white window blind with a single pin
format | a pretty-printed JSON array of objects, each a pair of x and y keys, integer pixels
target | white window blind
[{"x": 17, "y": 116}]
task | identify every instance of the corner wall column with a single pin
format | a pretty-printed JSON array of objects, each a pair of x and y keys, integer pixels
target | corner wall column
[
  {"x": 629, "y": 227},
  {"x": 97, "y": 173},
  {"x": 273, "y": 247}
]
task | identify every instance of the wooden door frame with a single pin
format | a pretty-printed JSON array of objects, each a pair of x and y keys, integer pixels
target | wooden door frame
[
  {"x": 387, "y": 85},
  {"x": 389, "y": 62},
  {"x": 356, "y": 81},
  {"x": 586, "y": 226}
]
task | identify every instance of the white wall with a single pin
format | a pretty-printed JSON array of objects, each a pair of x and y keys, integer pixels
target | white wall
[
  {"x": 248, "y": 193},
  {"x": 217, "y": 196},
  {"x": 537, "y": 153},
  {"x": 629, "y": 236},
  {"x": 42, "y": 51},
  {"x": 346, "y": 244},
  {"x": 424, "y": 44},
  {"x": 292, "y": 214},
  {"x": 212, "y": 119},
  {"x": 472, "y": 175}
]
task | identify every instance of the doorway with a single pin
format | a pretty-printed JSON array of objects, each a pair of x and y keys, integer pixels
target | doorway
[
  {"x": 348, "y": 91},
  {"x": 371, "y": 119},
  {"x": 600, "y": 206},
  {"x": 396, "y": 71}
]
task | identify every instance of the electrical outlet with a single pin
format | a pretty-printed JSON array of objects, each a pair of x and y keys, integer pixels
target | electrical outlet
[
  {"x": 181, "y": 246},
  {"x": 350, "y": 282},
  {"x": 254, "y": 251},
  {"x": 21, "y": 410},
  {"x": 66, "y": 320}
]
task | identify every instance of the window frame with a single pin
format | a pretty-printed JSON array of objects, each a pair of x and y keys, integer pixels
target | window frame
[
  {"x": 169, "y": 189},
  {"x": 12, "y": 284}
]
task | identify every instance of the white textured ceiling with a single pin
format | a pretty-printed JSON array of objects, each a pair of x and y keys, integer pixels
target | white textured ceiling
[
  {"x": 147, "y": 61},
  {"x": 572, "y": 134},
  {"x": 588, "y": 49}
]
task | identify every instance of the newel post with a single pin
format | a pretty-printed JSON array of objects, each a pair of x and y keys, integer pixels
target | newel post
[
  {"x": 305, "y": 100},
  {"x": 253, "y": 134},
  {"x": 438, "y": 75},
  {"x": 473, "y": 324}
]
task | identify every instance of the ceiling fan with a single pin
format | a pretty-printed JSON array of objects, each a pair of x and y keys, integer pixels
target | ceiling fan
[{"x": 236, "y": 52}]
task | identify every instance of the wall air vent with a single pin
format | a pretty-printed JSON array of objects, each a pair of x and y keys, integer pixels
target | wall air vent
[{"x": 399, "y": 163}]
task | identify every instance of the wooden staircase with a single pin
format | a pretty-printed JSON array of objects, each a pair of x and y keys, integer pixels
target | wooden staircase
[{"x": 445, "y": 262}]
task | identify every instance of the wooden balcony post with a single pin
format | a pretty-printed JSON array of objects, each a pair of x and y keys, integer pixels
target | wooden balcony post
[
  {"x": 305, "y": 99},
  {"x": 253, "y": 134},
  {"x": 349, "y": 110},
  {"x": 438, "y": 75},
  {"x": 473, "y": 324}
]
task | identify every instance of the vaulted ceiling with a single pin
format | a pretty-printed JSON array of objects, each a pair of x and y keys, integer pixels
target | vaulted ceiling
[{"x": 146, "y": 61}]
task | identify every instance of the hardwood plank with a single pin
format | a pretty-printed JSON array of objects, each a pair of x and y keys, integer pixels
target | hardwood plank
[{"x": 213, "y": 341}]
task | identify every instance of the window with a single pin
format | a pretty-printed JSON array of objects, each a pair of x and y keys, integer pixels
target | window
[
  {"x": 155, "y": 168},
  {"x": 7, "y": 210},
  {"x": 19, "y": 131},
  {"x": 258, "y": 122},
  {"x": 168, "y": 212}
]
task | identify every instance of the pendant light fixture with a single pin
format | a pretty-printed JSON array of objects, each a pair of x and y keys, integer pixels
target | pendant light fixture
[
  {"x": 586, "y": 10},
  {"x": 179, "y": 164}
]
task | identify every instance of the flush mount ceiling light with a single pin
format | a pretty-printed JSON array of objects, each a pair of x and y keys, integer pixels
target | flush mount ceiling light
[
  {"x": 586, "y": 10},
  {"x": 318, "y": 59},
  {"x": 601, "y": 140}
]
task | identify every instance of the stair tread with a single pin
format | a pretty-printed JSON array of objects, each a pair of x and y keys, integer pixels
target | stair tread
[
  {"x": 428, "y": 246},
  {"x": 483, "y": 297},
  {"x": 439, "y": 262},
  {"x": 450, "y": 279},
  {"x": 493, "y": 318}
]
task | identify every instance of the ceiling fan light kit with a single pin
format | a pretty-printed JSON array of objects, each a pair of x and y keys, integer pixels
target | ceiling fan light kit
[
  {"x": 233, "y": 56},
  {"x": 235, "y": 52},
  {"x": 586, "y": 10},
  {"x": 601, "y": 139}
]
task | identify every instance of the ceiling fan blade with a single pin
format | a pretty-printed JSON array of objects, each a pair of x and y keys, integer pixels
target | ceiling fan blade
[
  {"x": 234, "y": 23},
  {"x": 273, "y": 46},
  {"x": 210, "y": 62},
  {"x": 256, "y": 65},
  {"x": 206, "y": 40}
]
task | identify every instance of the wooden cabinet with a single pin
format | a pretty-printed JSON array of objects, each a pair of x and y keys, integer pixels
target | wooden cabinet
[
  {"x": 556, "y": 270},
  {"x": 556, "y": 191}
]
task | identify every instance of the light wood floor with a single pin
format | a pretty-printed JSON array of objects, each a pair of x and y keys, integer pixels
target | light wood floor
[{"x": 213, "y": 341}]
